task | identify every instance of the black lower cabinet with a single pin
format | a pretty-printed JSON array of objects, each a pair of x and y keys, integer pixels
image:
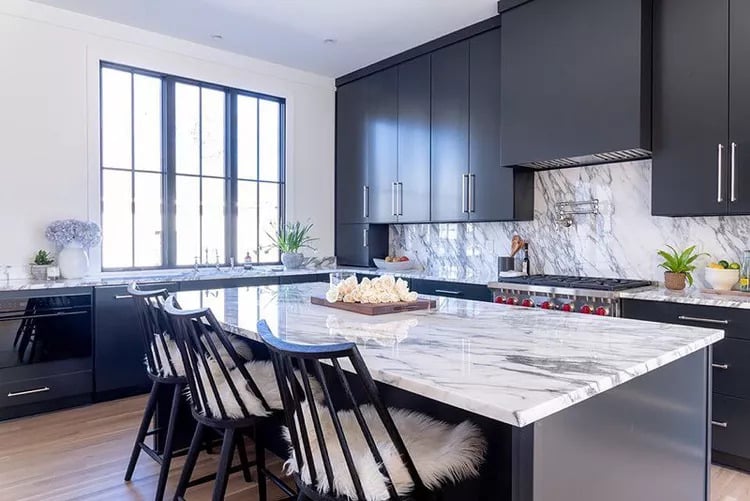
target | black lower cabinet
[
  {"x": 119, "y": 368},
  {"x": 473, "y": 292},
  {"x": 731, "y": 371},
  {"x": 304, "y": 279}
]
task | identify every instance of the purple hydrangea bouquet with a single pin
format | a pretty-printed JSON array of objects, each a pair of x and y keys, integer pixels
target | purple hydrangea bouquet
[{"x": 73, "y": 238}]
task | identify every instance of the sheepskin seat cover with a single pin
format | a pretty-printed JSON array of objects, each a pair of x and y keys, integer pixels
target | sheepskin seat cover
[
  {"x": 264, "y": 376},
  {"x": 242, "y": 349},
  {"x": 442, "y": 453}
]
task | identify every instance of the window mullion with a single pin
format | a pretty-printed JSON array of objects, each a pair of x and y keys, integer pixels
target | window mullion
[
  {"x": 169, "y": 247},
  {"x": 230, "y": 159}
]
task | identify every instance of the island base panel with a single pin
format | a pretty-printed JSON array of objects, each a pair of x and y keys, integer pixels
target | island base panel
[{"x": 645, "y": 439}]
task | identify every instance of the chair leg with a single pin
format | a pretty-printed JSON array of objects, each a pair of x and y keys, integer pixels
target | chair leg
[
  {"x": 225, "y": 462},
  {"x": 148, "y": 415},
  {"x": 192, "y": 457},
  {"x": 242, "y": 452},
  {"x": 260, "y": 461},
  {"x": 168, "y": 443}
]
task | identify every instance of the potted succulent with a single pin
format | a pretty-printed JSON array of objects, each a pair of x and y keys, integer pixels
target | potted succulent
[
  {"x": 679, "y": 266},
  {"x": 289, "y": 238},
  {"x": 42, "y": 261}
]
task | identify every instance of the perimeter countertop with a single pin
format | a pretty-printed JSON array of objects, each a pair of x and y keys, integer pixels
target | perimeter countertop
[
  {"x": 514, "y": 365},
  {"x": 691, "y": 295}
]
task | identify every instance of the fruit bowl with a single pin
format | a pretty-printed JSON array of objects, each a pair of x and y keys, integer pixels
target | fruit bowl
[
  {"x": 393, "y": 266},
  {"x": 722, "y": 280}
]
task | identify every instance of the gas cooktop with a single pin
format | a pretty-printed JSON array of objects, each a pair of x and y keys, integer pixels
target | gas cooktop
[{"x": 580, "y": 283}]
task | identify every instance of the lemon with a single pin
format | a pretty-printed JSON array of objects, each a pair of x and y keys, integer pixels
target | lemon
[{"x": 734, "y": 266}]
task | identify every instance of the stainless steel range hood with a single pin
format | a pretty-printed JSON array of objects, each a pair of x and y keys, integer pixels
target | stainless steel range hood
[{"x": 594, "y": 159}]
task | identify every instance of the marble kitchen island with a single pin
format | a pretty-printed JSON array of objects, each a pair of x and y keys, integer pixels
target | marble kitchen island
[{"x": 574, "y": 407}]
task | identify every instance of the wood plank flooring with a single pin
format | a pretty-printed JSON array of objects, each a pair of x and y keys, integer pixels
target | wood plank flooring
[{"x": 81, "y": 454}]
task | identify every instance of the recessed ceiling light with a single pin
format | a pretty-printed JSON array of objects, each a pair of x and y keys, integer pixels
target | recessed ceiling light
[
  {"x": 217, "y": 37},
  {"x": 329, "y": 41}
]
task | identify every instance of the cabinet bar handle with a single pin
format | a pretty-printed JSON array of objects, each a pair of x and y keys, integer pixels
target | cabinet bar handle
[
  {"x": 472, "y": 192},
  {"x": 394, "y": 189},
  {"x": 719, "y": 197},
  {"x": 465, "y": 193},
  {"x": 124, "y": 296},
  {"x": 704, "y": 320},
  {"x": 365, "y": 201},
  {"x": 720, "y": 424},
  {"x": 452, "y": 293},
  {"x": 733, "y": 196},
  {"x": 27, "y": 392},
  {"x": 400, "y": 189},
  {"x": 720, "y": 366},
  {"x": 365, "y": 237}
]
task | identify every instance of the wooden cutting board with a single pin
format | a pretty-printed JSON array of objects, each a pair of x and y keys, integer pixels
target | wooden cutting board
[{"x": 376, "y": 309}]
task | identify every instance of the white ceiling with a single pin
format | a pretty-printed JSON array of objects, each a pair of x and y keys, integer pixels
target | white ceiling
[{"x": 291, "y": 32}]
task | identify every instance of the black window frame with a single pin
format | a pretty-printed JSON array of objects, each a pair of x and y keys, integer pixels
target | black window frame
[{"x": 169, "y": 174}]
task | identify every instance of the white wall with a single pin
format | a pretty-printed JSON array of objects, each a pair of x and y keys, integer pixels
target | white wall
[{"x": 49, "y": 123}]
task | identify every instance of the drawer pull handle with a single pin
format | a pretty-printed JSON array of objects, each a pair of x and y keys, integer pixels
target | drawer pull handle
[
  {"x": 720, "y": 366},
  {"x": 452, "y": 293},
  {"x": 720, "y": 424},
  {"x": 704, "y": 320},
  {"x": 27, "y": 392},
  {"x": 124, "y": 296}
]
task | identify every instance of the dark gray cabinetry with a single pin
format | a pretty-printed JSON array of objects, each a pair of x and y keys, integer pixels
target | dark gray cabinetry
[
  {"x": 412, "y": 197},
  {"x": 576, "y": 81},
  {"x": 450, "y": 133},
  {"x": 381, "y": 105},
  {"x": 731, "y": 370},
  {"x": 358, "y": 244},
  {"x": 456, "y": 290},
  {"x": 701, "y": 119},
  {"x": 351, "y": 153}
]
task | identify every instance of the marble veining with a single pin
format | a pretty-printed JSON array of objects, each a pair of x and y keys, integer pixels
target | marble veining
[
  {"x": 620, "y": 242},
  {"x": 692, "y": 295},
  {"x": 515, "y": 365}
]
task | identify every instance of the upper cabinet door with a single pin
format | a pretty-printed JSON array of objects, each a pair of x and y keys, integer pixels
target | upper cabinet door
[
  {"x": 413, "y": 196},
  {"x": 739, "y": 108},
  {"x": 450, "y": 133},
  {"x": 382, "y": 145},
  {"x": 491, "y": 187},
  {"x": 690, "y": 112},
  {"x": 351, "y": 153}
]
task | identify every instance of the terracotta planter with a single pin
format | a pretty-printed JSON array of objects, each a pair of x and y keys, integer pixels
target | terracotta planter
[{"x": 674, "y": 281}]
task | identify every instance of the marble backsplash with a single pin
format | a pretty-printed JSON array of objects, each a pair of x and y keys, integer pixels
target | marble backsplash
[{"x": 621, "y": 241}]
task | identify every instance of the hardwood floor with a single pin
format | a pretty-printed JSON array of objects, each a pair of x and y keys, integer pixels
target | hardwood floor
[{"x": 81, "y": 454}]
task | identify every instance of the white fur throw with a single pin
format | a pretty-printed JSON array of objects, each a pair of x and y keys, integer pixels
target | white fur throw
[
  {"x": 442, "y": 453},
  {"x": 242, "y": 349}
]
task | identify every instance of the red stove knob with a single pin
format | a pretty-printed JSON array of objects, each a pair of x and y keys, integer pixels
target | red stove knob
[
  {"x": 567, "y": 307},
  {"x": 601, "y": 311},
  {"x": 547, "y": 305},
  {"x": 500, "y": 300},
  {"x": 586, "y": 309},
  {"x": 511, "y": 301},
  {"x": 529, "y": 303}
]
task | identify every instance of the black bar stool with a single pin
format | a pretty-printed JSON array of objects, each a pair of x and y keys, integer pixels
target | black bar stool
[
  {"x": 231, "y": 400},
  {"x": 368, "y": 452},
  {"x": 165, "y": 369}
]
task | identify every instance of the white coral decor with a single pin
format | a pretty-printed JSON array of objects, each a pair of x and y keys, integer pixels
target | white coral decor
[{"x": 385, "y": 289}]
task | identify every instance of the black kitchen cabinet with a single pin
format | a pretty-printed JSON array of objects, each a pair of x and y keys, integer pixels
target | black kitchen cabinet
[
  {"x": 118, "y": 346},
  {"x": 494, "y": 193},
  {"x": 731, "y": 368},
  {"x": 576, "y": 82},
  {"x": 739, "y": 106},
  {"x": 352, "y": 192},
  {"x": 450, "y": 133},
  {"x": 473, "y": 292},
  {"x": 413, "y": 183},
  {"x": 304, "y": 279},
  {"x": 381, "y": 104},
  {"x": 358, "y": 244},
  {"x": 227, "y": 283}
]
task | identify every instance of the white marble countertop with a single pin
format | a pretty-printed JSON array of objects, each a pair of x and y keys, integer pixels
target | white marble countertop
[
  {"x": 691, "y": 295},
  {"x": 515, "y": 365},
  {"x": 187, "y": 275}
]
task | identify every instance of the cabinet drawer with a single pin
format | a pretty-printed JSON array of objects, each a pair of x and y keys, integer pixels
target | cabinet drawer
[
  {"x": 731, "y": 368},
  {"x": 452, "y": 289},
  {"x": 730, "y": 431},
  {"x": 734, "y": 322},
  {"x": 29, "y": 391},
  {"x": 304, "y": 279}
]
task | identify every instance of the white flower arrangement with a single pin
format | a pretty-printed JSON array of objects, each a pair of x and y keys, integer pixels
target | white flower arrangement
[{"x": 385, "y": 289}]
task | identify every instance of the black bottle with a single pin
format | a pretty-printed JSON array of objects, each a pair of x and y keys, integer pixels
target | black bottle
[{"x": 525, "y": 266}]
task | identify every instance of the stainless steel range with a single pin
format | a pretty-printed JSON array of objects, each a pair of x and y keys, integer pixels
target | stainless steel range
[{"x": 589, "y": 295}]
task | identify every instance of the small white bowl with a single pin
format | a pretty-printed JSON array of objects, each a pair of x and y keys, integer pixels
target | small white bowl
[
  {"x": 396, "y": 266},
  {"x": 722, "y": 280}
]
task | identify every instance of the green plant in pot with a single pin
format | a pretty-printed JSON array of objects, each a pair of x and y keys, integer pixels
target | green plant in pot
[
  {"x": 679, "y": 266},
  {"x": 42, "y": 261},
  {"x": 290, "y": 238}
]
